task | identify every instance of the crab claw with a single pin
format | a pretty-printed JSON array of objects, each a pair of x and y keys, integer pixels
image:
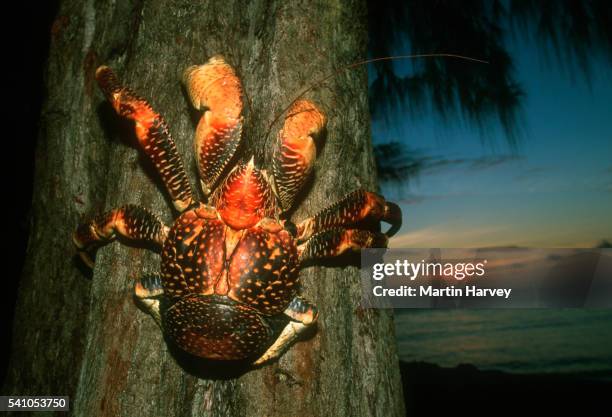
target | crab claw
[{"x": 215, "y": 88}]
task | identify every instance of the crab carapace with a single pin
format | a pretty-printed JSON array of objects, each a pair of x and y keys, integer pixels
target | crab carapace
[{"x": 230, "y": 265}]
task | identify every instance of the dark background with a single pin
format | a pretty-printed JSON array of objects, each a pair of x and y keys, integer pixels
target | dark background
[{"x": 25, "y": 51}]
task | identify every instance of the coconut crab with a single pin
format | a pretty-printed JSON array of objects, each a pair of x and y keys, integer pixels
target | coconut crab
[{"x": 230, "y": 265}]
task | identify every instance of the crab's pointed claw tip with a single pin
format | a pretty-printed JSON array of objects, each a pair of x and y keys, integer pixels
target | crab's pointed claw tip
[
  {"x": 393, "y": 216},
  {"x": 216, "y": 59},
  {"x": 81, "y": 247},
  {"x": 86, "y": 258},
  {"x": 102, "y": 69}
]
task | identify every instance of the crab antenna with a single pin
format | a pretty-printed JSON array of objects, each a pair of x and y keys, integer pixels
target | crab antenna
[{"x": 359, "y": 63}]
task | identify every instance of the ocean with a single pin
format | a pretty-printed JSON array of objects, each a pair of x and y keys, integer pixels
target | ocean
[{"x": 518, "y": 341}]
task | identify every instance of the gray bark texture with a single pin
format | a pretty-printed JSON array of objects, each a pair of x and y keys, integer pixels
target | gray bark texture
[{"x": 81, "y": 334}]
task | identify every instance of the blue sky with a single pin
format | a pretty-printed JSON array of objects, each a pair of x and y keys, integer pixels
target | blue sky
[{"x": 553, "y": 190}]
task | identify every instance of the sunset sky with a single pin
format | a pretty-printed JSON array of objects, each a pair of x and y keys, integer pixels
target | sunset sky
[{"x": 553, "y": 190}]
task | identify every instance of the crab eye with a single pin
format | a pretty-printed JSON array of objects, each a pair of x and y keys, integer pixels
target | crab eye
[{"x": 290, "y": 227}]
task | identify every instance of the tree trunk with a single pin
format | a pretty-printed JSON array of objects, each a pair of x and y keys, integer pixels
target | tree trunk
[{"x": 84, "y": 336}]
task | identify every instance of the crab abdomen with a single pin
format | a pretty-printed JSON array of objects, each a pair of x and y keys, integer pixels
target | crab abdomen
[{"x": 216, "y": 328}]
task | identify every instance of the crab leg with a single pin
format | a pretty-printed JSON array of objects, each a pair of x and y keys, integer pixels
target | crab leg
[
  {"x": 303, "y": 315},
  {"x": 130, "y": 221},
  {"x": 147, "y": 290},
  {"x": 153, "y": 136},
  {"x": 335, "y": 242},
  {"x": 215, "y": 86},
  {"x": 296, "y": 150},
  {"x": 359, "y": 208}
]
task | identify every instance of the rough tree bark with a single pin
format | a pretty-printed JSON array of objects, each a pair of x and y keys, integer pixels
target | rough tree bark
[{"x": 84, "y": 336}]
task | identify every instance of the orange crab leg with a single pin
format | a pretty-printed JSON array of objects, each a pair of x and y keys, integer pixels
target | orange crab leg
[
  {"x": 296, "y": 151},
  {"x": 148, "y": 290},
  {"x": 359, "y": 208},
  {"x": 303, "y": 315},
  {"x": 130, "y": 221},
  {"x": 153, "y": 136},
  {"x": 335, "y": 242},
  {"x": 215, "y": 86}
]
